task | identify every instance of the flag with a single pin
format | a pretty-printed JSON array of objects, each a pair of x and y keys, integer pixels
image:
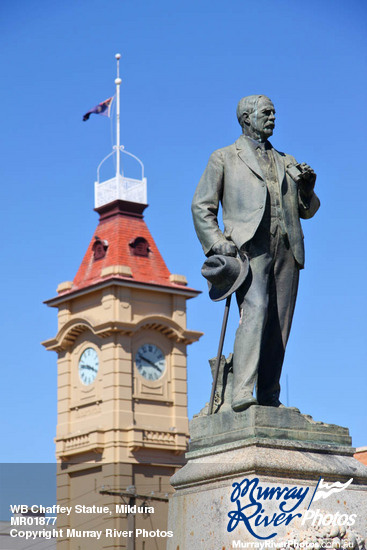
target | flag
[
  {"x": 324, "y": 490},
  {"x": 103, "y": 108}
]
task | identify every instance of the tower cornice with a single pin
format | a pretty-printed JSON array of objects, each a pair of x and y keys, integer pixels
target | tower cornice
[{"x": 177, "y": 290}]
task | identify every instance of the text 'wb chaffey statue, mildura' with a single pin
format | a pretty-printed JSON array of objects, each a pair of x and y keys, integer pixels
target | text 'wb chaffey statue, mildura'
[{"x": 263, "y": 193}]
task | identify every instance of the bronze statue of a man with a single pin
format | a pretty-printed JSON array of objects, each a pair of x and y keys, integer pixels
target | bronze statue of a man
[{"x": 263, "y": 194}]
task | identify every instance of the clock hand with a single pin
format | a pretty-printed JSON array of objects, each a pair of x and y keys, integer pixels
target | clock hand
[
  {"x": 150, "y": 362},
  {"x": 89, "y": 368}
]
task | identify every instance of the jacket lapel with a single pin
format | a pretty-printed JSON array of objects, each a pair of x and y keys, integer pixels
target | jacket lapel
[
  {"x": 280, "y": 167},
  {"x": 247, "y": 155}
]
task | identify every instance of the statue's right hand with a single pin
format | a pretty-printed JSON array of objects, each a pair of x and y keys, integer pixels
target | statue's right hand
[{"x": 226, "y": 249}]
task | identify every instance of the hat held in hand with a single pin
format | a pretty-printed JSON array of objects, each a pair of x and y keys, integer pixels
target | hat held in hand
[{"x": 225, "y": 275}]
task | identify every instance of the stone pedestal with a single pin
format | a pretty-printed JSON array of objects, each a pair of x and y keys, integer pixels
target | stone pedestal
[{"x": 250, "y": 479}]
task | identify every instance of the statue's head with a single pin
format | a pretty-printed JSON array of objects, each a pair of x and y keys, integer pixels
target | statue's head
[{"x": 256, "y": 115}]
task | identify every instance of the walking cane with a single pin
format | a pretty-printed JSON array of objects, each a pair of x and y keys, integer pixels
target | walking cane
[{"x": 219, "y": 355}]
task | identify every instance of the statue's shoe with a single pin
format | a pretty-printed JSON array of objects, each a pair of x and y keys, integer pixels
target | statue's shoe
[
  {"x": 274, "y": 402},
  {"x": 243, "y": 402},
  {"x": 271, "y": 402}
]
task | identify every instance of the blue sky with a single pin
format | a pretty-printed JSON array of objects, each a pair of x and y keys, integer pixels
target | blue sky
[{"x": 184, "y": 67}]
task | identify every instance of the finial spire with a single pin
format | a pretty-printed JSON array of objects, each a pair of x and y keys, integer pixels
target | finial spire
[
  {"x": 118, "y": 83},
  {"x": 120, "y": 187}
]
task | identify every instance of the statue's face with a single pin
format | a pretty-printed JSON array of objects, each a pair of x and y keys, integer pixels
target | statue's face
[{"x": 262, "y": 121}]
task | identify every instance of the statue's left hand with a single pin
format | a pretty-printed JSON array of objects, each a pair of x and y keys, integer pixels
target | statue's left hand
[{"x": 308, "y": 179}]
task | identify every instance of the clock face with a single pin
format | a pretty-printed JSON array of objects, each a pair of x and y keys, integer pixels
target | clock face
[
  {"x": 88, "y": 366},
  {"x": 150, "y": 362}
]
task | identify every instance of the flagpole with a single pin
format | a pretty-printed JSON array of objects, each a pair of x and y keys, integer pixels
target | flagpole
[{"x": 118, "y": 82}]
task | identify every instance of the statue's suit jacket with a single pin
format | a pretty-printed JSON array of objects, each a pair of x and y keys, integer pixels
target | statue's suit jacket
[{"x": 233, "y": 177}]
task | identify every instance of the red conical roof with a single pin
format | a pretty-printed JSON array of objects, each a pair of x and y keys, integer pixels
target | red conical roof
[{"x": 120, "y": 224}]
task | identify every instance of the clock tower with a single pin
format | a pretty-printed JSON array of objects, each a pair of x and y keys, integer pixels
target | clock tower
[{"x": 122, "y": 426}]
